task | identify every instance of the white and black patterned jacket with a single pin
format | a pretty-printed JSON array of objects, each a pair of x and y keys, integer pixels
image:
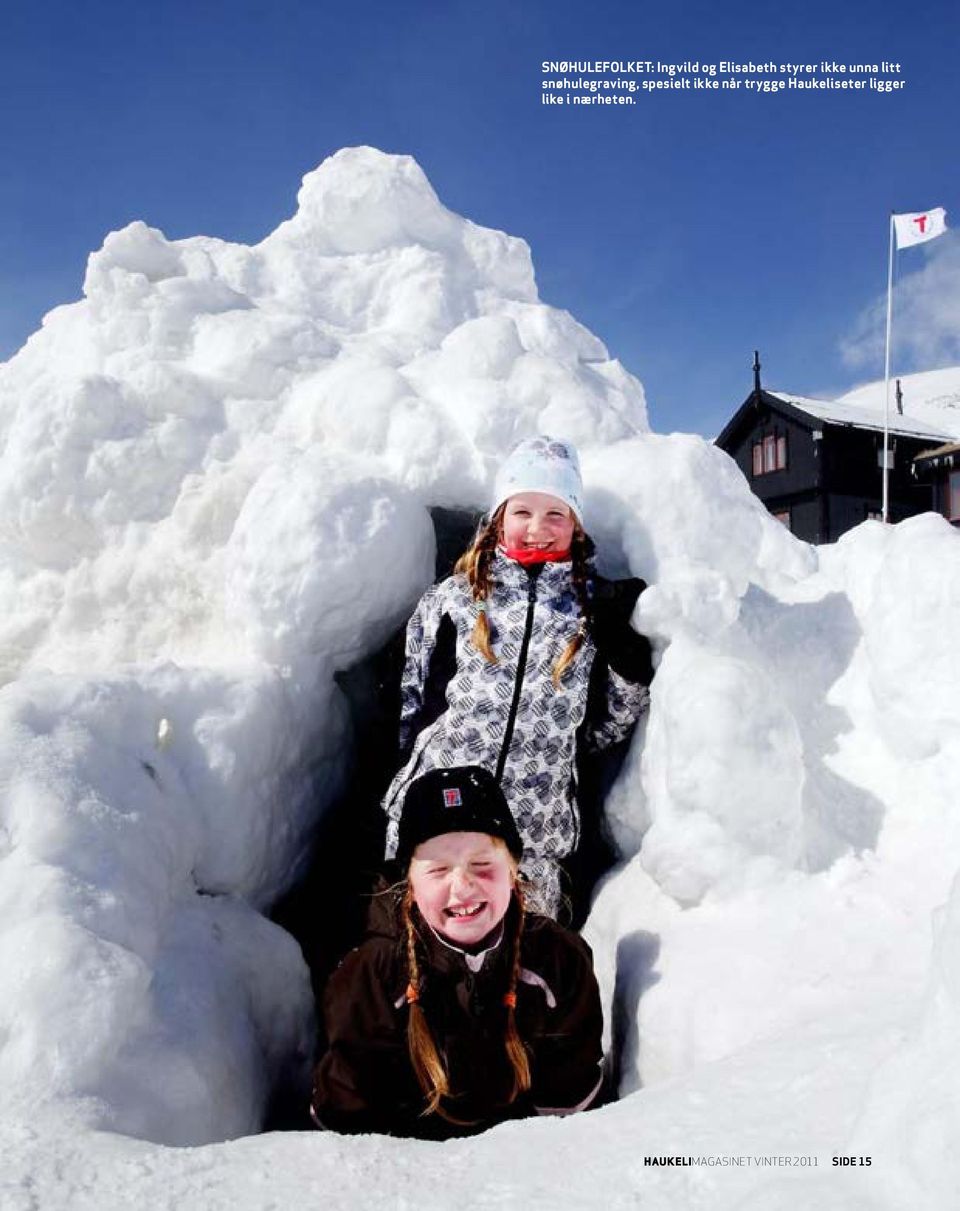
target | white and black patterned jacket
[{"x": 458, "y": 709}]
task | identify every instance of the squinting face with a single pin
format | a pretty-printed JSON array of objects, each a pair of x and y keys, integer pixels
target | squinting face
[
  {"x": 462, "y": 883},
  {"x": 537, "y": 521}
]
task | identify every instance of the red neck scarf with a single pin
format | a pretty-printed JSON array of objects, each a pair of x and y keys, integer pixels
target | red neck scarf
[{"x": 530, "y": 555}]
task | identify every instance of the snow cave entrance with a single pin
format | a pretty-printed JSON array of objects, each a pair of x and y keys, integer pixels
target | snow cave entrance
[{"x": 326, "y": 911}]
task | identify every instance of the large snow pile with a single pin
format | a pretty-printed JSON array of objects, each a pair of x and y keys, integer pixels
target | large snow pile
[{"x": 216, "y": 475}]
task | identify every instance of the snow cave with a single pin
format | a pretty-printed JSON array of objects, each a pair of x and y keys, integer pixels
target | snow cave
[{"x": 224, "y": 474}]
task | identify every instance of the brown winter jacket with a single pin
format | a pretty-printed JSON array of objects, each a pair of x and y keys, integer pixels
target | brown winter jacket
[{"x": 365, "y": 1080}]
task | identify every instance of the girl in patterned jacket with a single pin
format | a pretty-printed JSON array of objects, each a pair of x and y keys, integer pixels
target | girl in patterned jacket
[{"x": 520, "y": 655}]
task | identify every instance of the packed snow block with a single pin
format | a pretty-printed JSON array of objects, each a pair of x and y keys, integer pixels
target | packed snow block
[
  {"x": 725, "y": 764},
  {"x": 492, "y": 371},
  {"x": 247, "y": 354},
  {"x": 486, "y": 347},
  {"x": 366, "y": 201},
  {"x": 370, "y": 236},
  {"x": 68, "y": 452},
  {"x": 683, "y": 516},
  {"x": 230, "y": 1017},
  {"x": 910, "y": 629},
  {"x": 787, "y": 639},
  {"x": 319, "y": 555},
  {"x": 736, "y": 758},
  {"x": 135, "y": 249},
  {"x": 262, "y": 758},
  {"x": 247, "y": 765},
  {"x": 363, "y": 404},
  {"x": 362, "y": 200},
  {"x": 165, "y": 1005},
  {"x": 719, "y": 783}
]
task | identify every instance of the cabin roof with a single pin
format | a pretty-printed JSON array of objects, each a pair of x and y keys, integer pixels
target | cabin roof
[
  {"x": 854, "y": 416},
  {"x": 832, "y": 413},
  {"x": 816, "y": 412}
]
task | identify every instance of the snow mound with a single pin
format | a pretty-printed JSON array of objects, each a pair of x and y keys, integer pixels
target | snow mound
[
  {"x": 214, "y": 486},
  {"x": 214, "y": 492}
]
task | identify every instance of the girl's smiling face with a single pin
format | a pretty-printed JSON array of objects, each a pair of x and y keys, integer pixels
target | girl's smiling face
[
  {"x": 536, "y": 521},
  {"x": 462, "y": 883}
]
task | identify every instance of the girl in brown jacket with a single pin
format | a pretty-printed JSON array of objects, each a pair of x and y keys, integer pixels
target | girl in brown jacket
[{"x": 460, "y": 1010}]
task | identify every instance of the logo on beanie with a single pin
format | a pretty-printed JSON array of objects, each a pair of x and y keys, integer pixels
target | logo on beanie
[{"x": 452, "y": 797}]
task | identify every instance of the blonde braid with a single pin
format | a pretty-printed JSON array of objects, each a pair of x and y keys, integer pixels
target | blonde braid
[
  {"x": 427, "y": 1065},
  {"x": 475, "y": 563},
  {"x": 516, "y": 1052},
  {"x": 580, "y": 549}
]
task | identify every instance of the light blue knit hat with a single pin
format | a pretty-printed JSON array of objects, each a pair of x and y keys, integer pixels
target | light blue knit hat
[{"x": 541, "y": 464}]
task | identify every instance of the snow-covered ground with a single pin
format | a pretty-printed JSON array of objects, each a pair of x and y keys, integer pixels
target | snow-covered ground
[{"x": 214, "y": 488}]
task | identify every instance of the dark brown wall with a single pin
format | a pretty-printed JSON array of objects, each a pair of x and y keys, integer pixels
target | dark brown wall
[{"x": 802, "y": 460}]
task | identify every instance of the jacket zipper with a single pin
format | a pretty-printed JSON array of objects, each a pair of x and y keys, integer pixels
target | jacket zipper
[{"x": 521, "y": 669}]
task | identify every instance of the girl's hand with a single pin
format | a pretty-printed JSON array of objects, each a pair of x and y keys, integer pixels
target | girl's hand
[{"x": 625, "y": 651}]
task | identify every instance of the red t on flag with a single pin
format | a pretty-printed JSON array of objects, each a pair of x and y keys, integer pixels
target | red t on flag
[{"x": 919, "y": 227}]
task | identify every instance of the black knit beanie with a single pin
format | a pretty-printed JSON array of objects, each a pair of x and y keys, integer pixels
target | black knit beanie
[{"x": 460, "y": 799}]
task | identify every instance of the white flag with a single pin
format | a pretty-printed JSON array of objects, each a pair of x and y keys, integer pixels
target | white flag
[{"x": 918, "y": 228}]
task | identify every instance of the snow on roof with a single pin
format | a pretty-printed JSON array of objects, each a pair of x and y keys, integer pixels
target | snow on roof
[
  {"x": 928, "y": 395},
  {"x": 834, "y": 413}
]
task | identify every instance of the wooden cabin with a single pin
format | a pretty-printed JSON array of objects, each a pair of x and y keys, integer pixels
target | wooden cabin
[
  {"x": 817, "y": 465},
  {"x": 940, "y": 469}
]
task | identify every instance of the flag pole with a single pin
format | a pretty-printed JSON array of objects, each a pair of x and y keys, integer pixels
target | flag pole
[{"x": 885, "y": 507}]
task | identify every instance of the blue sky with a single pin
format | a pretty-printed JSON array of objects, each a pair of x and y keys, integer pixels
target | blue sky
[{"x": 684, "y": 231}]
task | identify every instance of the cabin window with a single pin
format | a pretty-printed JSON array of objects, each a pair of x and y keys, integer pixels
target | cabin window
[
  {"x": 769, "y": 454},
  {"x": 953, "y": 496}
]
